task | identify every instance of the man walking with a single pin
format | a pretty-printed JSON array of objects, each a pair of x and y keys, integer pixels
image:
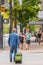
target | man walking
[{"x": 13, "y": 42}]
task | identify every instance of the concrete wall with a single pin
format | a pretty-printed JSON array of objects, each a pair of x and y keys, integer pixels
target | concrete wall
[{"x": 5, "y": 40}]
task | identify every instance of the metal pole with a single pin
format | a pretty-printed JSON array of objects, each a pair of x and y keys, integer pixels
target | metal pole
[
  {"x": 1, "y": 28},
  {"x": 1, "y": 33}
]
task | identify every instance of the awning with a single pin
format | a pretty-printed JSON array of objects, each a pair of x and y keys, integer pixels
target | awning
[{"x": 36, "y": 23}]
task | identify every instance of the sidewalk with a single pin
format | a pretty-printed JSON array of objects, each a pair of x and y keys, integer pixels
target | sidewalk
[
  {"x": 34, "y": 47},
  {"x": 34, "y": 56},
  {"x": 29, "y": 58}
]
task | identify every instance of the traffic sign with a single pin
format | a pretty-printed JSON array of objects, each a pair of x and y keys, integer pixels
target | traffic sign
[{"x": 5, "y": 16}]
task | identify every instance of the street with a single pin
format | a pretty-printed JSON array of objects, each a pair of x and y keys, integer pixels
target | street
[{"x": 34, "y": 56}]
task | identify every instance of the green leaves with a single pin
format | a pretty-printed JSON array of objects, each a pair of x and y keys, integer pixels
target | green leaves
[{"x": 26, "y": 11}]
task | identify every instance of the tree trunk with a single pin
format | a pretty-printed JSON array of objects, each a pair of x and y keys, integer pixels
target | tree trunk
[
  {"x": 14, "y": 18},
  {"x": 20, "y": 15},
  {"x": 10, "y": 29}
]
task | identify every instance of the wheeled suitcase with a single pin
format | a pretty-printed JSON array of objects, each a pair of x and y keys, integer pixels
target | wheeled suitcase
[{"x": 18, "y": 57}]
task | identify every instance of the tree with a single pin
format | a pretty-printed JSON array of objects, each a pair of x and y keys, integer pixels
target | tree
[
  {"x": 13, "y": 13},
  {"x": 28, "y": 10},
  {"x": 16, "y": 8},
  {"x": 25, "y": 11}
]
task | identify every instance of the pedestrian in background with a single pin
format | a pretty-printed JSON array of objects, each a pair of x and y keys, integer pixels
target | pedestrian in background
[
  {"x": 36, "y": 35},
  {"x": 28, "y": 35},
  {"x": 21, "y": 38},
  {"x": 42, "y": 36},
  {"x": 13, "y": 42},
  {"x": 39, "y": 37}
]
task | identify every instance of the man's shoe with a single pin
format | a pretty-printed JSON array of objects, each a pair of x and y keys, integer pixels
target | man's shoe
[{"x": 10, "y": 59}]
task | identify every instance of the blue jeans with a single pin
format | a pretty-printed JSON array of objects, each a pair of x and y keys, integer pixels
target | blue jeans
[{"x": 13, "y": 49}]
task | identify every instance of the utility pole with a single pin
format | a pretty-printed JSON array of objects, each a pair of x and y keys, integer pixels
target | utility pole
[{"x": 1, "y": 32}]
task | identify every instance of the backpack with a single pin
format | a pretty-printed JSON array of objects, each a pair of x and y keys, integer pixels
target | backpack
[{"x": 27, "y": 36}]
